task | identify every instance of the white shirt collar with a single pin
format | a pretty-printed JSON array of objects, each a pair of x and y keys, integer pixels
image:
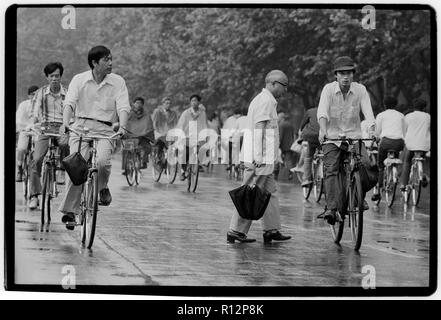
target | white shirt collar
[
  {"x": 267, "y": 92},
  {"x": 47, "y": 90},
  {"x": 337, "y": 87}
]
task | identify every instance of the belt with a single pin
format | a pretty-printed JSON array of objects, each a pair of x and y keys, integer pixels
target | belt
[{"x": 107, "y": 123}]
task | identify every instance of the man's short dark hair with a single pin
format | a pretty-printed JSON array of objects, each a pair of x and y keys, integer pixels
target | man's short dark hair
[
  {"x": 96, "y": 53},
  {"x": 139, "y": 99},
  {"x": 51, "y": 67},
  {"x": 237, "y": 110},
  {"x": 419, "y": 104},
  {"x": 165, "y": 99},
  {"x": 32, "y": 89},
  {"x": 196, "y": 96},
  {"x": 390, "y": 102}
]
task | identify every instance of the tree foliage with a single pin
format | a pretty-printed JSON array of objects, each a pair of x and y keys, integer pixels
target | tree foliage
[{"x": 224, "y": 53}]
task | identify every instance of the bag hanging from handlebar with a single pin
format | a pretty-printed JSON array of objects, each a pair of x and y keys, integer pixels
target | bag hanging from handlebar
[{"x": 76, "y": 166}]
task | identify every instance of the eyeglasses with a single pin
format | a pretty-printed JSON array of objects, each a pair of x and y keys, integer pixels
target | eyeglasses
[{"x": 285, "y": 85}]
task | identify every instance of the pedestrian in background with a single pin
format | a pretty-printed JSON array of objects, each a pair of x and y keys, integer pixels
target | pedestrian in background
[
  {"x": 287, "y": 137},
  {"x": 310, "y": 132}
]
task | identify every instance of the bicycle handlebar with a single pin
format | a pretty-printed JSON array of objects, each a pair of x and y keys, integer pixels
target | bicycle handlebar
[
  {"x": 350, "y": 140},
  {"x": 89, "y": 136}
]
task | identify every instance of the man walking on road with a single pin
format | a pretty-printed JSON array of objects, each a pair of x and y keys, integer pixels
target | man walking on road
[
  {"x": 98, "y": 97},
  {"x": 259, "y": 163}
]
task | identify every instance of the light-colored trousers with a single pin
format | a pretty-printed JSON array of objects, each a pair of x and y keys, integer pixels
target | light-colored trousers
[
  {"x": 72, "y": 197},
  {"x": 271, "y": 217}
]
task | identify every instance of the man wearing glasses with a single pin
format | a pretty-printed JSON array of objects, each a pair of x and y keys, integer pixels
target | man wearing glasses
[{"x": 261, "y": 144}]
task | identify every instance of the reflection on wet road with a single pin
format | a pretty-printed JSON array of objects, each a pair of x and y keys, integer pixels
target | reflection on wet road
[{"x": 159, "y": 234}]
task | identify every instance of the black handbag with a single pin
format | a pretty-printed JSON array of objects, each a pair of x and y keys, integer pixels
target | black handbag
[
  {"x": 250, "y": 201},
  {"x": 76, "y": 167}
]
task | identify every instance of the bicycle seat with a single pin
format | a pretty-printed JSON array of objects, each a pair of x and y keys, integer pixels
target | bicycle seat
[{"x": 390, "y": 161}]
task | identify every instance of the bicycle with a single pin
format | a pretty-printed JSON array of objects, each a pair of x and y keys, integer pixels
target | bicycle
[
  {"x": 162, "y": 161},
  {"x": 415, "y": 179},
  {"x": 318, "y": 175},
  {"x": 390, "y": 177},
  {"x": 28, "y": 157},
  {"x": 132, "y": 161},
  {"x": 89, "y": 194},
  {"x": 49, "y": 184},
  {"x": 354, "y": 194},
  {"x": 191, "y": 172}
]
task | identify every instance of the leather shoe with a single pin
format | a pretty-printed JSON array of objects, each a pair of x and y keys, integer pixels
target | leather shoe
[
  {"x": 330, "y": 217},
  {"x": 269, "y": 236},
  {"x": 241, "y": 237},
  {"x": 69, "y": 220},
  {"x": 365, "y": 205},
  {"x": 105, "y": 197},
  {"x": 376, "y": 197}
]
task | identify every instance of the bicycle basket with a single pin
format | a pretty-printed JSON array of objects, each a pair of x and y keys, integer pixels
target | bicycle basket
[
  {"x": 76, "y": 167},
  {"x": 130, "y": 144}
]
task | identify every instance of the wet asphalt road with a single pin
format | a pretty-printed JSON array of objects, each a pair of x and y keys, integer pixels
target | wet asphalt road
[{"x": 160, "y": 234}]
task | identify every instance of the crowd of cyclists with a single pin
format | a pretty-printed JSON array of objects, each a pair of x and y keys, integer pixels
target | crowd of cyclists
[{"x": 98, "y": 99}]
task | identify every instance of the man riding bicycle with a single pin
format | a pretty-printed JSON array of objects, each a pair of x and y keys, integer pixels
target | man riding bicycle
[
  {"x": 339, "y": 113},
  {"x": 390, "y": 131},
  {"x": 164, "y": 119},
  {"x": 23, "y": 120},
  {"x": 139, "y": 126},
  {"x": 417, "y": 138},
  {"x": 47, "y": 108},
  {"x": 99, "y": 97},
  {"x": 196, "y": 114}
]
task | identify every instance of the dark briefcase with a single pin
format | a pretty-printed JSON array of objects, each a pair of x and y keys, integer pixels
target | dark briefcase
[
  {"x": 250, "y": 201},
  {"x": 76, "y": 167}
]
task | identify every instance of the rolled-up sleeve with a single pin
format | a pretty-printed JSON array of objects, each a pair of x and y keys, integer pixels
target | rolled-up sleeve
[
  {"x": 122, "y": 98},
  {"x": 366, "y": 107},
  {"x": 36, "y": 105},
  {"x": 323, "y": 107}
]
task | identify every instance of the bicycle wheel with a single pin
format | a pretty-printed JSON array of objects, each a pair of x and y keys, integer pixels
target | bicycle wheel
[
  {"x": 317, "y": 178},
  {"x": 46, "y": 194},
  {"x": 337, "y": 230},
  {"x": 157, "y": 167},
  {"x": 307, "y": 191},
  {"x": 91, "y": 209},
  {"x": 130, "y": 168},
  {"x": 390, "y": 185},
  {"x": 25, "y": 176},
  {"x": 171, "y": 170},
  {"x": 355, "y": 210},
  {"x": 137, "y": 167},
  {"x": 193, "y": 176},
  {"x": 416, "y": 184}
]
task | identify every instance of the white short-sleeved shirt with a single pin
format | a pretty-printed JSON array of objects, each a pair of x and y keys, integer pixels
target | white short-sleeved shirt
[
  {"x": 417, "y": 126},
  {"x": 262, "y": 108},
  {"x": 390, "y": 124},
  {"x": 102, "y": 101},
  {"x": 343, "y": 114},
  {"x": 23, "y": 115}
]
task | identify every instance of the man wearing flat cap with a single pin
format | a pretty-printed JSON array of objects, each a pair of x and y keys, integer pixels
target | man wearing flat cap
[
  {"x": 339, "y": 114},
  {"x": 260, "y": 148}
]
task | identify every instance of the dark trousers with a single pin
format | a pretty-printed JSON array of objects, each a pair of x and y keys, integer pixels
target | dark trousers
[
  {"x": 386, "y": 145},
  {"x": 407, "y": 159},
  {"x": 40, "y": 150},
  {"x": 335, "y": 176}
]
